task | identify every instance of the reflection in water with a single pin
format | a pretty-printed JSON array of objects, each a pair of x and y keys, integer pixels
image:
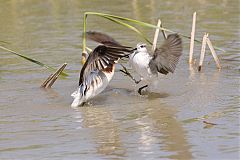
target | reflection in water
[
  {"x": 149, "y": 129},
  {"x": 191, "y": 72},
  {"x": 164, "y": 129},
  {"x": 120, "y": 125},
  {"x": 106, "y": 132},
  {"x": 173, "y": 135}
]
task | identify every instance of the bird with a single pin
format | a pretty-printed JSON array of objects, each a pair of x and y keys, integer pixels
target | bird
[
  {"x": 98, "y": 70},
  {"x": 163, "y": 60}
]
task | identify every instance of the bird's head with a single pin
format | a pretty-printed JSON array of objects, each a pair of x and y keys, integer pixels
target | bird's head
[{"x": 141, "y": 47}]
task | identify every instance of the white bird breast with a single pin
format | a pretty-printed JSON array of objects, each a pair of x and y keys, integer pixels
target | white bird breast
[
  {"x": 140, "y": 63},
  {"x": 95, "y": 87}
]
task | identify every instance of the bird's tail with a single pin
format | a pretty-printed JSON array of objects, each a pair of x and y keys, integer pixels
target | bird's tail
[{"x": 78, "y": 97}]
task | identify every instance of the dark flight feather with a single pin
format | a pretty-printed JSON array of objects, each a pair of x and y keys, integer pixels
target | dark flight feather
[
  {"x": 103, "y": 56},
  {"x": 103, "y": 39},
  {"x": 165, "y": 58}
]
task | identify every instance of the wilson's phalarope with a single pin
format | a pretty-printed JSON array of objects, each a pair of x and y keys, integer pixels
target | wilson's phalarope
[
  {"x": 98, "y": 69},
  {"x": 164, "y": 59}
]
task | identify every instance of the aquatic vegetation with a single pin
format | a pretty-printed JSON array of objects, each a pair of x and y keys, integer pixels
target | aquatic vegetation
[
  {"x": 31, "y": 59},
  {"x": 126, "y": 22},
  {"x": 123, "y": 21}
]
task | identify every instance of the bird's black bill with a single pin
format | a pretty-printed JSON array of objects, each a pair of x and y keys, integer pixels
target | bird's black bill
[{"x": 134, "y": 49}]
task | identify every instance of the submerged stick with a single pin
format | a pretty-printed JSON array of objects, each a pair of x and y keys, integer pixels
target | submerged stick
[
  {"x": 156, "y": 35},
  {"x": 53, "y": 77},
  {"x": 213, "y": 53},
  {"x": 46, "y": 81},
  {"x": 57, "y": 75},
  {"x": 209, "y": 123},
  {"x": 204, "y": 41},
  {"x": 192, "y": 38}
]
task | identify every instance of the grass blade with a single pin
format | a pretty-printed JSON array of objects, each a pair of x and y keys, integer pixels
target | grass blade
[
  {"x": 144, "y": 24},
  {"x": 4, "y": 42},
  {"x": 30, "y": 59},
  {"x": 129, "y": 27}
]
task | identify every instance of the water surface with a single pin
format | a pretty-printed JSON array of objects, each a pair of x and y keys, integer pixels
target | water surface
[{"x": 38, "y": 123}]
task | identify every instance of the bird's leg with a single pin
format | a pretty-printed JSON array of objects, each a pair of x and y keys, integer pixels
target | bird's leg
[
  {"x": 125, "y": 71},
  {"x": 137, "y": 81},
  {"x": 141, "y": 88}
]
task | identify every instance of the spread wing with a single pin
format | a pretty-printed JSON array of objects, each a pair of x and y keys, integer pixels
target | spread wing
[
  {"x": 165, "y": 58},
  {"x": 102, "y": 38},
  {"x": 101, "y": 58}
]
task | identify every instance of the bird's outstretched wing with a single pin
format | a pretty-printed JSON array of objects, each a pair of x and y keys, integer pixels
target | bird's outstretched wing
[
  {"x": 103, "y": 39},
  {"x": 103, "y": 56},
  {"x": 165, "y": 58}
]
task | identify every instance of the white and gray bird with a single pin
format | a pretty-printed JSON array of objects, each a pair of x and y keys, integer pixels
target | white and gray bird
[
  {"x": 98, "y": 69},
  {"x": 164, "y": 59}
]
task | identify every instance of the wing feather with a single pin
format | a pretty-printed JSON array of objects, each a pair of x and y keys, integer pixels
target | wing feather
[
  {"x": 103, "y": 39},
  {"x": 104, "y": 55},
  {"x": 166, "y": 57},
  {"x": 101, "y": 58}
]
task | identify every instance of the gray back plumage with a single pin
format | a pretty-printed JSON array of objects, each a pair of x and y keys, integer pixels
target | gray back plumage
[{"x": 165, "y": 58}]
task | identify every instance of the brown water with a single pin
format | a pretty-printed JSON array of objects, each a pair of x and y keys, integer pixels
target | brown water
[{"x": 38, "y": 123}]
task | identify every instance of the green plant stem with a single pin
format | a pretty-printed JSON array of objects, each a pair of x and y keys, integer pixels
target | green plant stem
[
  {"x": 84, "y": 33},
  {"x": 130, "y": 27},
  {"x": 30, "y": 59},
  {"x": 144, "y": 24}
]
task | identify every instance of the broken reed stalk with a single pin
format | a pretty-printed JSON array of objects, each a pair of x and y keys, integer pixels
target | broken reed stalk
[
  {"x": 204, "y": 42},
  {"x": 192, "y": 38},
  {"x": 53, "y": 77},
  {"x": 58, "y": 73},
  {"x": 213, "y": 53},
  {"x": 156, "y": 35},
  {"x": 163, "y": 32},
  {"x": 46, "y": 81}
]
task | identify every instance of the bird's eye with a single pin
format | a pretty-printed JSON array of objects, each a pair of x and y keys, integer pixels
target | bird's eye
[{"x": 141, "y": 46}]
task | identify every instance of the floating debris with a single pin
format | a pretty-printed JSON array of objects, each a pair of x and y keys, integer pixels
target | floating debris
[{"x": 209, "y": 123}]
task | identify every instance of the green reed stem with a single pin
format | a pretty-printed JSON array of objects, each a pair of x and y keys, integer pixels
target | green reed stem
[
  {"x": 144, "y": 24},
  {"x": 30, "y": 59}
]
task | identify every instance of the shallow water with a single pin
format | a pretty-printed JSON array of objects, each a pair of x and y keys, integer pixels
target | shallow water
[{"x": 38, "y": 123}]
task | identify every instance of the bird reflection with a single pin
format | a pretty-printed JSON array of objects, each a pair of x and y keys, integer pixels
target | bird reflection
[
  {"x": 173, "y": 134},
  {"x": 162, "y": 128},
  {"x": 140, "y": 130},
  {"x": 106, "y": 132}
]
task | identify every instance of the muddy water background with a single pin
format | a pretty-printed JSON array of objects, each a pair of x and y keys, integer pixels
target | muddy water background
[{"x": 39, "y": 124}]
